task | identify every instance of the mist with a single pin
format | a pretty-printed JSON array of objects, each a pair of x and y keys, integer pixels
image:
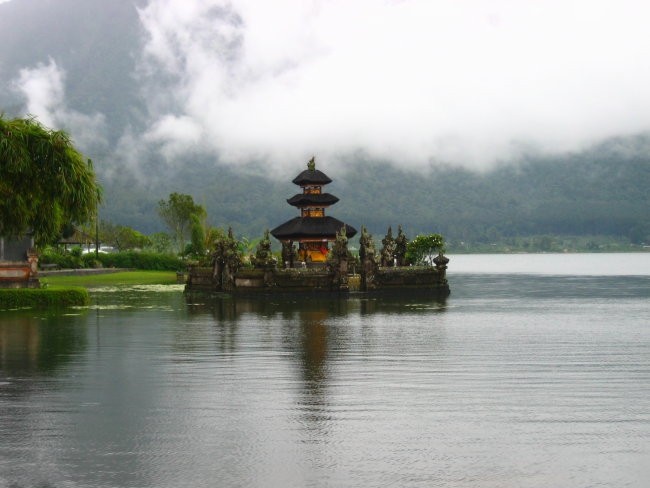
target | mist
[{"x": 412, "y": 82}]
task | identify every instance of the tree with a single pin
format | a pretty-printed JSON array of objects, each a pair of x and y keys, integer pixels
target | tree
[
  {"x": 45, "y": 183},
  {"x": 122, "y": 237},
  {"x": 420, "y": 249},
  {"x": 177, "y": 213},
  {"x": 197, "y": 234},
  {"x": 160, "y": 242}
]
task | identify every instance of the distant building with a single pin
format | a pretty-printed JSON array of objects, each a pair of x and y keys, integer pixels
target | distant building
[{"x": 312, "y": 230}]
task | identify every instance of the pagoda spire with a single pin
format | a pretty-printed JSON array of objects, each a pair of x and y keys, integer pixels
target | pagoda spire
[{"x": 311, "y": 165}]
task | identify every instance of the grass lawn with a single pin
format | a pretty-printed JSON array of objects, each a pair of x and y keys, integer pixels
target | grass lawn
[{"x": 112, "y": 279}]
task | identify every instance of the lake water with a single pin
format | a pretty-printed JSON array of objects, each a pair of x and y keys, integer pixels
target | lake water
[{"x": 535, "y": 372}]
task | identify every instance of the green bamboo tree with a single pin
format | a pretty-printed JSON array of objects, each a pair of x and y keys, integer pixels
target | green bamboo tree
[{"x": 45, "y": 183}]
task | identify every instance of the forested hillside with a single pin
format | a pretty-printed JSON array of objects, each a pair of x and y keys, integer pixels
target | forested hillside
[{"x": 603, "y": 191}]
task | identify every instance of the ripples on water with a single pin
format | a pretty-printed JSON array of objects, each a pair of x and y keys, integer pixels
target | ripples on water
[{"x": 514, "y": 381}]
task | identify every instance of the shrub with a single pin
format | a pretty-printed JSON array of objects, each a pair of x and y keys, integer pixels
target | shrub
[
  {"x": 12, "y": 298},
  {"x": 64, "y": 259},
  {"x": 141, "y": 260},
  {"x": 90, "y": 261},
  {"x": 421, "y": 249},
  {"x": 126, "y": 259}
]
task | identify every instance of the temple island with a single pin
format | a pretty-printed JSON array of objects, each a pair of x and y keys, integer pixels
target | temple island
[{"x": 315, "y": 256}]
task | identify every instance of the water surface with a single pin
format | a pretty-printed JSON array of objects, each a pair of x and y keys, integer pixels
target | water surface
[{"x": 520, "y": 378}]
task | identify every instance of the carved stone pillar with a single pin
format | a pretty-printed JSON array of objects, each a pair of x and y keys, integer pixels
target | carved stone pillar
[
  {"x": 441, "y": 265},
  {"x": 343, "y": 275},
  {"x": 32, "y": 259}
]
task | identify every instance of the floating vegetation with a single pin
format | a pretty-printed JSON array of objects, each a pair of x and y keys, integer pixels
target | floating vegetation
[
  {"x": 126, "y": 306},
  {"x": 139, "y": 288}
]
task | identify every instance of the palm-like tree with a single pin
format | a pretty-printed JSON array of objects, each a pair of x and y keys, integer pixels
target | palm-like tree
[{"x": 45, "y": 183}]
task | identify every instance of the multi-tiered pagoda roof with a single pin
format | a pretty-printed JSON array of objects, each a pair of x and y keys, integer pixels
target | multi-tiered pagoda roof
[{"x": 312, "y": 229}]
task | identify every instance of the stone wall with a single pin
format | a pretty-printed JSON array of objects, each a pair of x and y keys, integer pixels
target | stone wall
[
  {"x": 304, "y": 280},
  {"x": 200, "y": 279},
  {"x": 298, "y": 280},
  {"x": 407, "y": 277}
]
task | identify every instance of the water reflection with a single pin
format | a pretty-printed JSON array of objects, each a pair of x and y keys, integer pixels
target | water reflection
[
  {"x": 32, "y": 345},
  {"x": 316, "y": 334},
  {"x": 229, "y": 308}
]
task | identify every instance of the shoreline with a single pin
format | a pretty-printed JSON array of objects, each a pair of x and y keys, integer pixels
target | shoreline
[{"x": 81, "y": 271}]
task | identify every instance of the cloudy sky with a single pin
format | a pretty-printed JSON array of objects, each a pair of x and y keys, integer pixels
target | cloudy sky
[{"x": 415, "y": 81}]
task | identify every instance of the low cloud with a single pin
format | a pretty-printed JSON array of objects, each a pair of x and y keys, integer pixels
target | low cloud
[
  {"x": 43, "y": 88},
  {"x": 414, "y": 81}
]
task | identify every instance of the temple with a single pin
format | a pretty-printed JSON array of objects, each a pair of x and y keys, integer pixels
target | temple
[
  {"x": 326, "y": 265},
  {"x": 312, "y": 230}
]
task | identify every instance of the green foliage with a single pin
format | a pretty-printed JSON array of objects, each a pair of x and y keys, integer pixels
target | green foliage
[
  {"x": 212, "y": 237},
  {"x": 43, "y": 298},
  {"x": 45, "y": 183},
  {"x": 122, "y": 237},
  {"x": 126, "y": 259},
  {"x": 197, "y": 233},
  {"x": 141, "y": 260},
  {"x": 160, "y": 242},
  {"x": 63, "y": 259},
  {"x": 421, "y": 249},
  {"x": 72, "y": 259},
  {"x": 177, "y": 214}
]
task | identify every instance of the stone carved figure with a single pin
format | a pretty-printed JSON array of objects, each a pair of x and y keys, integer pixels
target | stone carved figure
[
  {"x": 387, "y": 252},
  {"x": 338, "y": 259},
  {"x": 263, "y": 255},
  {"x": 401, "y": 243},
  {"x": 227, "y": 260},
  {"x": 368, "y": 257},
  {"x": 441, "y": 265},
  {"x": 288, "y": 254}
]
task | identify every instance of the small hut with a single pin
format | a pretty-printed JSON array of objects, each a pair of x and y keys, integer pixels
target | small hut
[{"x": 312, "y": 230}]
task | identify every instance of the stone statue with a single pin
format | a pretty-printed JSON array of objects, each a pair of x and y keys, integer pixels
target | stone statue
[
  {"x": 338, "y": 260},
  {"x": 441, "y": 265},
  {"x": 263, "y": 255},
  {"x": 387, "y": 252},
  {"x": 401, "y": 243},
  {"x": 368, "y": 260},
  {"x": 288, "y": 254},
  {"x": 227, "y": 259}
]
